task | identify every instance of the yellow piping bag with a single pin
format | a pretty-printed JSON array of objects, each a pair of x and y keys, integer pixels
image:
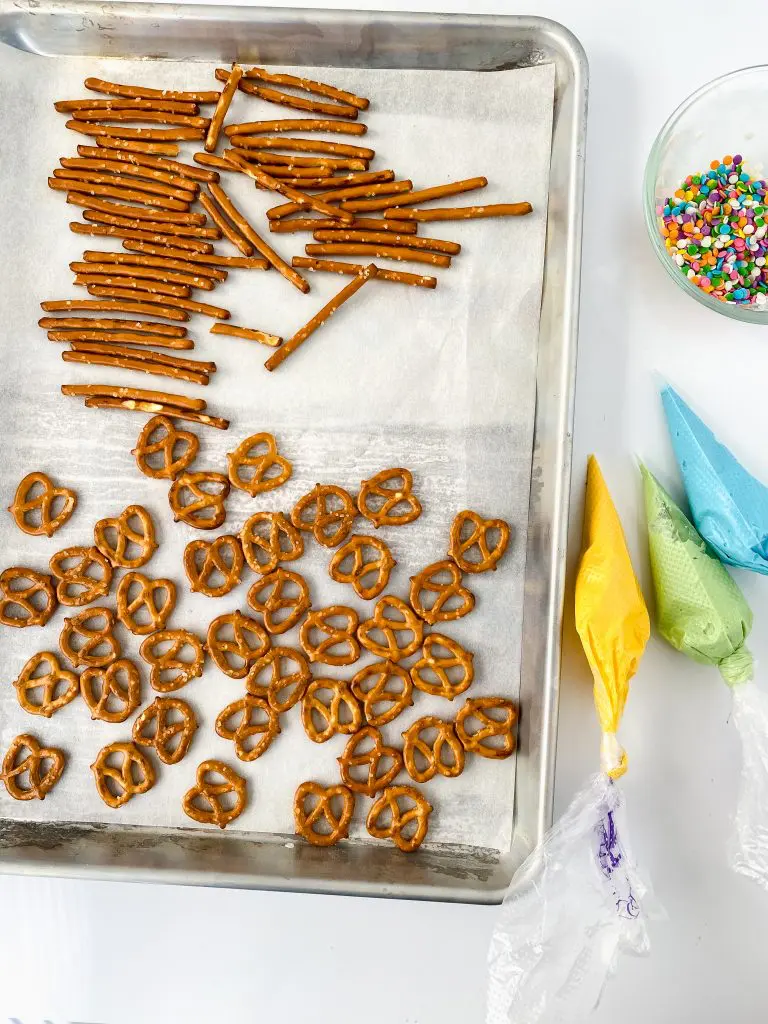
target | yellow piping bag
[{"x": 578, "y": 900}]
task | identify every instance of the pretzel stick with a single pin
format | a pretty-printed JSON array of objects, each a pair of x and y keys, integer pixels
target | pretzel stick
[
  {"x": 122, "y": 336},
  {"x": 140, "y": 160},
  {"x": 246, "y": 332},
  {"x": 157, "y": 227},
  {"x": 422, "y": 196},
  {"x": 319, "y": 319},
  {"x": 215, "y": 260},
  {"x": 191, "y": 305},
  {"x": 384, "y": 252},
  {"x": 135, "y": 134},
  {"x": 107, "y": 324},
  {"x": 294, "y": 195},
  {"x": 333, "y": 163},
  {"x": 375, "y": 178},
  {"x": 382, "y": 238},
  {"x": 167, "y": 276},
  {"x": 136, "y": 212},
  {"x": 132, "y": 171},
  {"x": 158, "y": 149},
  {"x": 133, "y": 405},
  {"x": 224, "y": 226},
  {"x": 302, "y": 183},
  {"x": 350, "y": 269},
  {"x": 362, "y": 180},
  {"x": 141, "y": 116},
  {"x": 462, "y": 212},
  {"x": 304, "y": 146},
  {"x": 112, "y": 231},
  {"x": 286, "y": 171},
  {"x": 211, "y": 160},
  {"x": 227, "y": 207},
  {"x": 296, "y": 124},
  {"x": 112, "y": 348},
  {"x": 125, "y": 195},
  {"x": 222, "y": 106},
  {"x": 138, "y": 394},
  {"x": 122, "y": 181},
  {"x": 161, "y": 263},
  {"x": 156, "y": 287},
  {"x": 105, "y": 306},
  {"x": 291, "y": 224},
  {"x": 285, "y": 99},
  {"x": 173, "y": 106},
  {"x": 120, "y": 362},
  {"x": 307, "y": 85},
  {"x": 138, "y": 92}
]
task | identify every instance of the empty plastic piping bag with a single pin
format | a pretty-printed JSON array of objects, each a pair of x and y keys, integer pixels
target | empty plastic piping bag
[
  {"x": 578, "y": 901},
  {"x": 702, "y": 612}
]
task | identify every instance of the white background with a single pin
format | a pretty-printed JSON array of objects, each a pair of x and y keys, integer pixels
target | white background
[{"x": 122, "y": 954}]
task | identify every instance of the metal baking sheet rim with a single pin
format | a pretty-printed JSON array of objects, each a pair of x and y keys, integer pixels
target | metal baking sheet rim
[{"x": 459, "y": 42}]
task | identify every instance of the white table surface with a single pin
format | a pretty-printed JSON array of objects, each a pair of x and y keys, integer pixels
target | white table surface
[{"x": 128, "y": 954}]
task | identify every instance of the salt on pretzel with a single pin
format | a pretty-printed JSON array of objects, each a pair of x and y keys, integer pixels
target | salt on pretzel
[{"x": 222, "y": 106}]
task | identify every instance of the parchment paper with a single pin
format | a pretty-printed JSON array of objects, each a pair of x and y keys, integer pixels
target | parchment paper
[{"x": 442, "y": 382}]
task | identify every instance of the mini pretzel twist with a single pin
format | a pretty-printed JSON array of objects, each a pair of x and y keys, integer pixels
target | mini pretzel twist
[
  {"x": 268, "y": 459},
  {"x": 158, "y": 726},
  {"x": 268, "y": 538},
  {"x": 327, "y": 512},
  {"x": 394, "y": 631},
  {"x": 436, "y": 598},
  {"x": 205, "y": 560},
  {"x": 470, "y": 548},
  {"x": 125, "y": 536},
  {"x": 36, "y": 601},
  {"x": 101, "y": 687},
  {"x": 436, "y": 674},
  {"x": 284, "y": 688},
  {"x": 144, "y": 603},
  {"x": 40, "y": 781},
  {"x": 95, "y": 639},
  {"x": 366, "y": 750},
  {"x": 379, "y": 502},
  {"x": 47, "y": 686},
  {"x": 325, "y": 642},
  {"x": 443, "y": 755},
  {"x": 256, "y": 718},
  {"x": 163, "y": 450},
  {"x": 376, "y": 570},
  {"x": 116, "y": 785},
  {"x": 211, "y": 794},
  {"x": 388, "y": 804},
  {"x": 34, "y": 513},
  {"x": 384, "y": 689},
  {"x": 192, "y": 504},
  {"x": 322, "y": 814},
  {"x": 236, "y": 656},
  {"x": 340, "y": 702},
  {"x": 269, "y": 597},
  {"x": 175, "y": 641},
  {"x": 478, "y": 709},
  {"x": 75, "y": 585}
]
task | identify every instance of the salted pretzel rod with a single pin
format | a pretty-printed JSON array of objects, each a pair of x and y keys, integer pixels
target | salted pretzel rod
[
  {"x": 88, "y": 103},
  {"x": 139, "y": 92},
  {"x": 212, "y": 160},
  {"x": 190, "y": 305},
  {"x": 323, "y": 184},
  {"x": 162, "y": 263},
  {"x": 296, "y": 124},
  {"x": 143, "y": 116},
  {"x": 125, "y": 195},
  {"x": 121, "y": 362},
  {"x": 155, "y": 227},
  {"x": 121, "y": 180},
  {"x": 156, "y": 340},
  {"x": 113, "y": 306},
  {"x": 248, "y": 333},
  {"x": 302, "y": 183},
  {"x": 155, "y": 149},
  {"x": 290, "y": 193},
  {"x": 203, "y": 366},
  {"x": 308, "y": 85},
  {"x": 167, "y": 276},
  {"x": 222, "y": 106},
  {"x": 332, "y": 163},
  {"x": 107, "y": 165},
  {"x": 285, "y": 99},
  {"x": 292, "y": 224},
  {"x": 177, "y": 291},
  {"x": 228, "y": 207},
  {"x": 287, "y": 171},
  {"x": 108, "y": 324},
  {"x": 319, "y": 318},
  {"x": 209, "y": 259},
  {"x": 158, "y": 408},
  {"x": 383, "y": 238},
  {"x": 462, "y": 212},
  {"x": 136, "y": 212},
  {"x": 135, "y": 134},
  {"x": 371, "y": 183},
  {"x": 192, "y": 245},
  {"x": 228, "y": 230},
  {"x": 350, "y": 269},
  {"x": 384, "y": 252},
  {"x": 107, "y": 152},
  {"x": 259, "y": 142},
  {"x": 374, "y": 179},
  {"x": 137, "y": 394},
  {"x": 423, "y": 195}
]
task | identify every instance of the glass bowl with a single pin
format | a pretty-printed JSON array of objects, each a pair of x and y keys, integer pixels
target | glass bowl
[{"x": 721, "y": 118}]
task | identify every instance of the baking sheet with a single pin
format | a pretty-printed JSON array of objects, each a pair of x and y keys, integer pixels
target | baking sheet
[{"x": 442, "y": 382}]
